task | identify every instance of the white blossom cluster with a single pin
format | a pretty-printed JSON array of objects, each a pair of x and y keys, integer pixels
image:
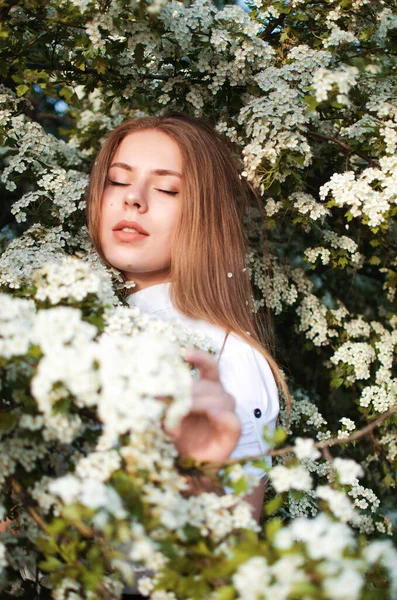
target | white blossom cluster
[
  {"x": 359, "y": 355},
  {"x": 306, "y": 204},
  {"x": 38, "y": 153},
  {"x": 3, "y": 560},
  {"x": 89, "y": 492},
  {"x": 124, "y": 389},
  {"x": 325, "y": 80},
  {"x": 275, "y": 283},
  {"x": 336, "y": 242},
  {"x": 305, "y": 416},
  {"x": 20, "y": 452},
  {"x": 326, "y": 542},
  {"x": 290, "y": 108},
  {"x": 72, "y": 279},
  {"x": 313, "y": 320},
  {"x": 339, "y": 504},
  {"x": 347, "y": 427},
  {"x": 130, "y": 321},
  {"x": 370, "y": 195},
  {"x": 34, "y": 249},
  {"x": 63, "y": 188},
  {"x": 16, "y": 320},
  {"x": 284, "y": 479}
]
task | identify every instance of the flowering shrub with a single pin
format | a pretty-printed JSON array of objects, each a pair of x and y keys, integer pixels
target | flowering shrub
[{"x": 89, "y": 478}]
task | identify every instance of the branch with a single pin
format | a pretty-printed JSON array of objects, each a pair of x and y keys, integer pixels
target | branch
[
  {"x": 17, "y": 488},
  {"x": 320, "y": 445},
  {"x": 334, "y": 140},
  {"x": 272, "y": 26},
  {"x": 84, "y": 530}
]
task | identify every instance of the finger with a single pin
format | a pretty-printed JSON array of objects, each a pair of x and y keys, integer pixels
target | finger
[
  {"x": 205, "y": 363},
  {"x": 209, "y": 394}
]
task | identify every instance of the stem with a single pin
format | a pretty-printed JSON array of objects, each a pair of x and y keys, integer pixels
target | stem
[
  {"x": 320, "y": 445},
  {"x": 84, "y": 530},
  {"x": 334, "y": 140},
  {"x": 17, "y": 488}
]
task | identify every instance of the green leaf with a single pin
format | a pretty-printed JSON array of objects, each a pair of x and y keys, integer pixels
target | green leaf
[
  {"x": 366, "y": 34},
  {"x": 81, "y": 64},
  {"x": 374, "y": 260},
  {"x": 388, "y": 481},
  {"x": 57, "y": 526},
  {"x": 273, "y": 505},
  {"x": 22, "y": 89},
  {"x": 238, "y": 486},
  {"x": 272, "y": 527},
  {"x": 48, "y": 546},
  {"x": 99, "y": 64},
  {"x": 336, "y": 382},
  {"x": 279, "y": 436},
  {"x": 4, "y": 32},
  {"x": 304, "y": 589},
  {"x": 8, "y": 421},
  {"x": 311, "y": 102},
  {"x": 51, "y": 564},
  {"x": 226, "y": 592}
]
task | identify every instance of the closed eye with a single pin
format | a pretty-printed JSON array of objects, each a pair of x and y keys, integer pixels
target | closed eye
[
  {"x": 169, "y": 192},
  {"x": 110, "y": 182}
]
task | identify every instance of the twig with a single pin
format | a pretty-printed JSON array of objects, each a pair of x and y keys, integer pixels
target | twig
[
  {"x": 320, "y": 445},
  {"x": 84, "y": 530},
  {"x": 17, "y": 488},
  {"x": 272, "y": 26},
  {"x": 334, "y": 140}
]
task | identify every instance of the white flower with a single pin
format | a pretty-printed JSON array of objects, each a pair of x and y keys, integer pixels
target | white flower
[
  {"x": 16, "y": 319},
  {"x": 67, "y": 488},
  {"x": 305, "y": 448},
  {"x": 359, "y": 355},
  {"x": 348, "y": 470},
  {"x": 252, "y": 578},
  {"x": 3, "y": 560},
  {"x": 323, "y": 537},
  {"x": 346, "y": 586},
  {"x": 293, "y": 478},
  {"x": 339, "y": 504},
  {"x": 348, "y": 426}
]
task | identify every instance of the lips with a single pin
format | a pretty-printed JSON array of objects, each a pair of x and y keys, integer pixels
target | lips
[{"x": 131, "y": 225}]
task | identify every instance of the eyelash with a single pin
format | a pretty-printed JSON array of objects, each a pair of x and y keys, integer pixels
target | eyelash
[
  {"x": 167, "y": 192},
  {"x": 116, "y": 183}
]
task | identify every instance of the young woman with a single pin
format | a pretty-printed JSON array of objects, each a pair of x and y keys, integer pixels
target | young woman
[{"x": 165, "y": 207}]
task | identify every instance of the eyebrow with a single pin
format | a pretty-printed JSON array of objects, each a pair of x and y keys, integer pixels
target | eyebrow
[{"x": 154, "y": 171}]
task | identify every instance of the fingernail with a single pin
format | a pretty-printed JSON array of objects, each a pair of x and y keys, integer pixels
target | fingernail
[{"x": 186, "y": 353}]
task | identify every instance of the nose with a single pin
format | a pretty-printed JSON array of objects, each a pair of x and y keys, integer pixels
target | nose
[{"x": 135, "y": 197}]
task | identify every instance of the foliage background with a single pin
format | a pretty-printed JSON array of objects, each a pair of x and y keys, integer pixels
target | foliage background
[{"x": 307, "y": 92}]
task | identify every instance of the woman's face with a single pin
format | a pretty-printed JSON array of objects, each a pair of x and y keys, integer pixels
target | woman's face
[{"x": 140, "y": 206}]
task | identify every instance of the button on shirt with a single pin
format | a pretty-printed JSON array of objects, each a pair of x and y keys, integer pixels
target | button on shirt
[{"x": 244, "y": 372}]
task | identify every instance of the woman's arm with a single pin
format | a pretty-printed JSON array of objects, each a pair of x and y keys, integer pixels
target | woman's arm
[
  {"x": 256, "y": 499},
  {"x": 210, "y": 431}
]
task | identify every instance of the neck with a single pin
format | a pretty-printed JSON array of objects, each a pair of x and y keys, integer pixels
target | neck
[{"x": 145, "y": 280}]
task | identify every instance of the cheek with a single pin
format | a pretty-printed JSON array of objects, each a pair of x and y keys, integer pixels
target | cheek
[
  {"x": 107, "y": 210},
  {"x": 174, "y": 219}
]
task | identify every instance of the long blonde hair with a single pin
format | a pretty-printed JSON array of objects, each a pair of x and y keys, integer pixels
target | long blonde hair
[{"x": 208, "y": 271}]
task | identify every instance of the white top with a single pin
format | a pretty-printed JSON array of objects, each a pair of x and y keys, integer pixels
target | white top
[{"x": 244, "y": 372}]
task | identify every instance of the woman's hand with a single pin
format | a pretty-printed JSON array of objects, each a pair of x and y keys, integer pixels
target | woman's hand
[{"x": 210, "y": 431}]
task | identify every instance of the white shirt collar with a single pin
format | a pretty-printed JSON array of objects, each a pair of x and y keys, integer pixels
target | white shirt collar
[{"x": 151, "y": 299}]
